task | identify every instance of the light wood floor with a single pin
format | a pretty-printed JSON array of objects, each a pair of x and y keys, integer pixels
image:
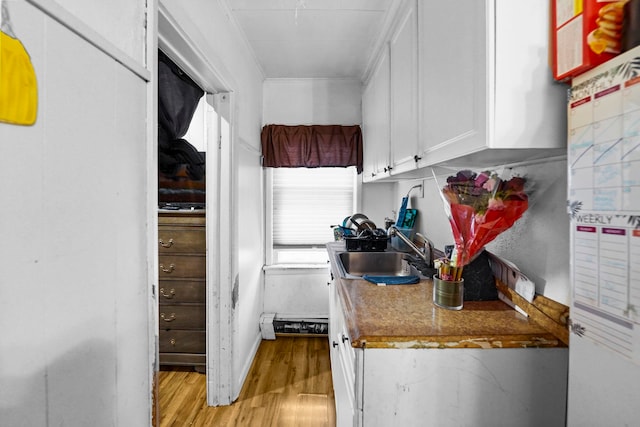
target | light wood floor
[{"x": 289, "y": 384}]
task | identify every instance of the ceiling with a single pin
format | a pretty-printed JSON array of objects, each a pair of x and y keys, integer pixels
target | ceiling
[{"x": 313, "y": 38}]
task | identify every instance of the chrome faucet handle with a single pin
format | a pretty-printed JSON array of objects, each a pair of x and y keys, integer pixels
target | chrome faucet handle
[
  {"x": 426, "y": 242},
  {"x": 427, "y": 247}
]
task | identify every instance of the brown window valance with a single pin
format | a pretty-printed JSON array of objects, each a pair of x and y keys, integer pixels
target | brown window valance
[{"x": 312, "y": 146}]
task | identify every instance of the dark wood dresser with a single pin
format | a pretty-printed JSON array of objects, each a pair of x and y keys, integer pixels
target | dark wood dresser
[{"x": 182, "y": 288}]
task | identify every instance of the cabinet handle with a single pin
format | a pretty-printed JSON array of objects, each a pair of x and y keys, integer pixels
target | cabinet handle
[
  {"x": 172, "y": 341},
  {"x": 166, "y": 245},
  {"x": 170, "y": 295},
  {"x": 417, "y": 158},
  {"x": 335, "y": 344},
  {"x": 168, "y": 319},
  {"x": 168, "y": 270},
  {"x": 373, "y": 175},
  {"x": 345, "y": 338},
  {"x": 388, "y": 168}
]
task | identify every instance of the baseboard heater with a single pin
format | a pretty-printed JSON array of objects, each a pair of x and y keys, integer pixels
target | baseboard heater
[{"x": 271, "y": 326}]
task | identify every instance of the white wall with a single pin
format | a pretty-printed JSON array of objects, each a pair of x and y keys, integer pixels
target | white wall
[
  {"x": 207, "y": 25},
  {"x": 312, "y": 102},
  {"x": 306, "y": 102},
  {"x": 250, "y": 232},
  {"x": 124, "y": 30},
  {"x": 297, "y": 292},
  {"x": 75, "y": 301},
  {"x": 538, "y": 243},
  {"x": 378, "y": 200}
]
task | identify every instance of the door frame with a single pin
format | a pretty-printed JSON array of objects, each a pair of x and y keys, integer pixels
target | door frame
[
  {"x": 219, "y": 249},
  {"x": 176, "y": 43}
]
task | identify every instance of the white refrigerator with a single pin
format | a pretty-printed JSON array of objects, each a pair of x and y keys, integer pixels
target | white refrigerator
[{"x": 604, "y": 204}]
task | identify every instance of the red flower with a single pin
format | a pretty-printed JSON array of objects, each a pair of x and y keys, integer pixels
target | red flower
[{"x": 481, "y": 207}]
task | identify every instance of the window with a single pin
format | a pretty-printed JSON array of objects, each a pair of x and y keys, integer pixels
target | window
[
  {"x": 197, "y": 132},
  {"x": 305, "y": 204}
]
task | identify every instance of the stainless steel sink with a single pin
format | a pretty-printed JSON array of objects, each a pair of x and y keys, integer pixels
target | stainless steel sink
[{"x": 357, "y": 264}]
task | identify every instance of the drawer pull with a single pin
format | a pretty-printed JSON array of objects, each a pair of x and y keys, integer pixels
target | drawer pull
[
  {"x": 168, "y": 319},
  {"x": 170, "y": 295},
  {"x": 172, "y": 341},
  {"x": 168, "y": 270},
  {"x": 166, "y": 245}
]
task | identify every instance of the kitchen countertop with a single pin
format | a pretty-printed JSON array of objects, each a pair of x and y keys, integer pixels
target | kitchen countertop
[{"x": 404, "y": 316}]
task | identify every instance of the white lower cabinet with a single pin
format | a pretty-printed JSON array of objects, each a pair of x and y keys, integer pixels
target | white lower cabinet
[
  {"x": 342, "y": 364},
  {"x": 444, "y": 387},
  {"x": 463, "y": 387}
]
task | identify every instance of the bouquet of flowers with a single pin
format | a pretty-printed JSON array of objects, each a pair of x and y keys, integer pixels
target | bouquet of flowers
[{"x": 479, "y": 206}]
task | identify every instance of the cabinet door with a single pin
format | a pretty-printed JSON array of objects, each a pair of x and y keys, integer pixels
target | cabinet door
[
  {"x": 404, "y": 90},
  {"x": 375, "y": 121},
  {"x": 369, "y": 168},
  {"x": 452, "y": 55},
  {"x": 341, "y": 364}
]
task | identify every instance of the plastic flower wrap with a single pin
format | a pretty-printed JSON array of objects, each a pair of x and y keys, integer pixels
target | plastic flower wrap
[{"x": 480, "y": 206}]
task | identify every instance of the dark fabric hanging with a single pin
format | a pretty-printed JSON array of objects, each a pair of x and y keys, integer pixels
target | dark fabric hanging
[
  {"x": 178, "y": 98},
  {"x": 312, "y": 146}
]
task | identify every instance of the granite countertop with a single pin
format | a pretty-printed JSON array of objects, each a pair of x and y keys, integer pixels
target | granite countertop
[{"x": 404, "y": 316}]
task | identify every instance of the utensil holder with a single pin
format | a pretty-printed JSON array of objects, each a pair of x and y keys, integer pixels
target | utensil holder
[{"x": 447, "y": 293}]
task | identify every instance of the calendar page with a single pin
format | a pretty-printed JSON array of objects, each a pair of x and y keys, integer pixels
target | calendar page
[{"x": 604, "y": 203}]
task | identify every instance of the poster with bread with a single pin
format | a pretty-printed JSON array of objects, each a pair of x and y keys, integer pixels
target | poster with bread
[{"x": 585, "y": 33}]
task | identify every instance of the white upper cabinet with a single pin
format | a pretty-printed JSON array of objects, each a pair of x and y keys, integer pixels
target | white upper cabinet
[
  {"x": 453, "y": 77},
  {"x": 375, "y": 121},
  {"x": 403, "y": 51},
  {"x": 487, "y": 95},
  {"x": 470, "y": 84}
]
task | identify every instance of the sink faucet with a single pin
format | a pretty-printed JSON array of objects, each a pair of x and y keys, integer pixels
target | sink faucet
[
  {"x": 426, "y": 253},
  {"x": 428, "y": 249}
]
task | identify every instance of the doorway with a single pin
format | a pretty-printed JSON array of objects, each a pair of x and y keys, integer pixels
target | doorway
[
  {"x": 182, "y": 249},
  {"x": 218, "y": 107}
]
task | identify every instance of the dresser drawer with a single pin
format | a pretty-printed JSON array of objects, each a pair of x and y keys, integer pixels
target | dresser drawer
[
  {"x": 183, "y": 359},
  {"x": 182, "y": 316},
  {"x": 173, "y": 239},
  {"x": 182, "y": 218},
  {"x": 182, "y": 288},
  {"x": 179, "y": 290},
  {"x": 182, "y": 341},
  {"x": 176, "y": 266}
]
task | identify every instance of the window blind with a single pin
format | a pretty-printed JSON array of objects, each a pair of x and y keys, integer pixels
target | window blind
[{"x": 306, "y": 202}]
